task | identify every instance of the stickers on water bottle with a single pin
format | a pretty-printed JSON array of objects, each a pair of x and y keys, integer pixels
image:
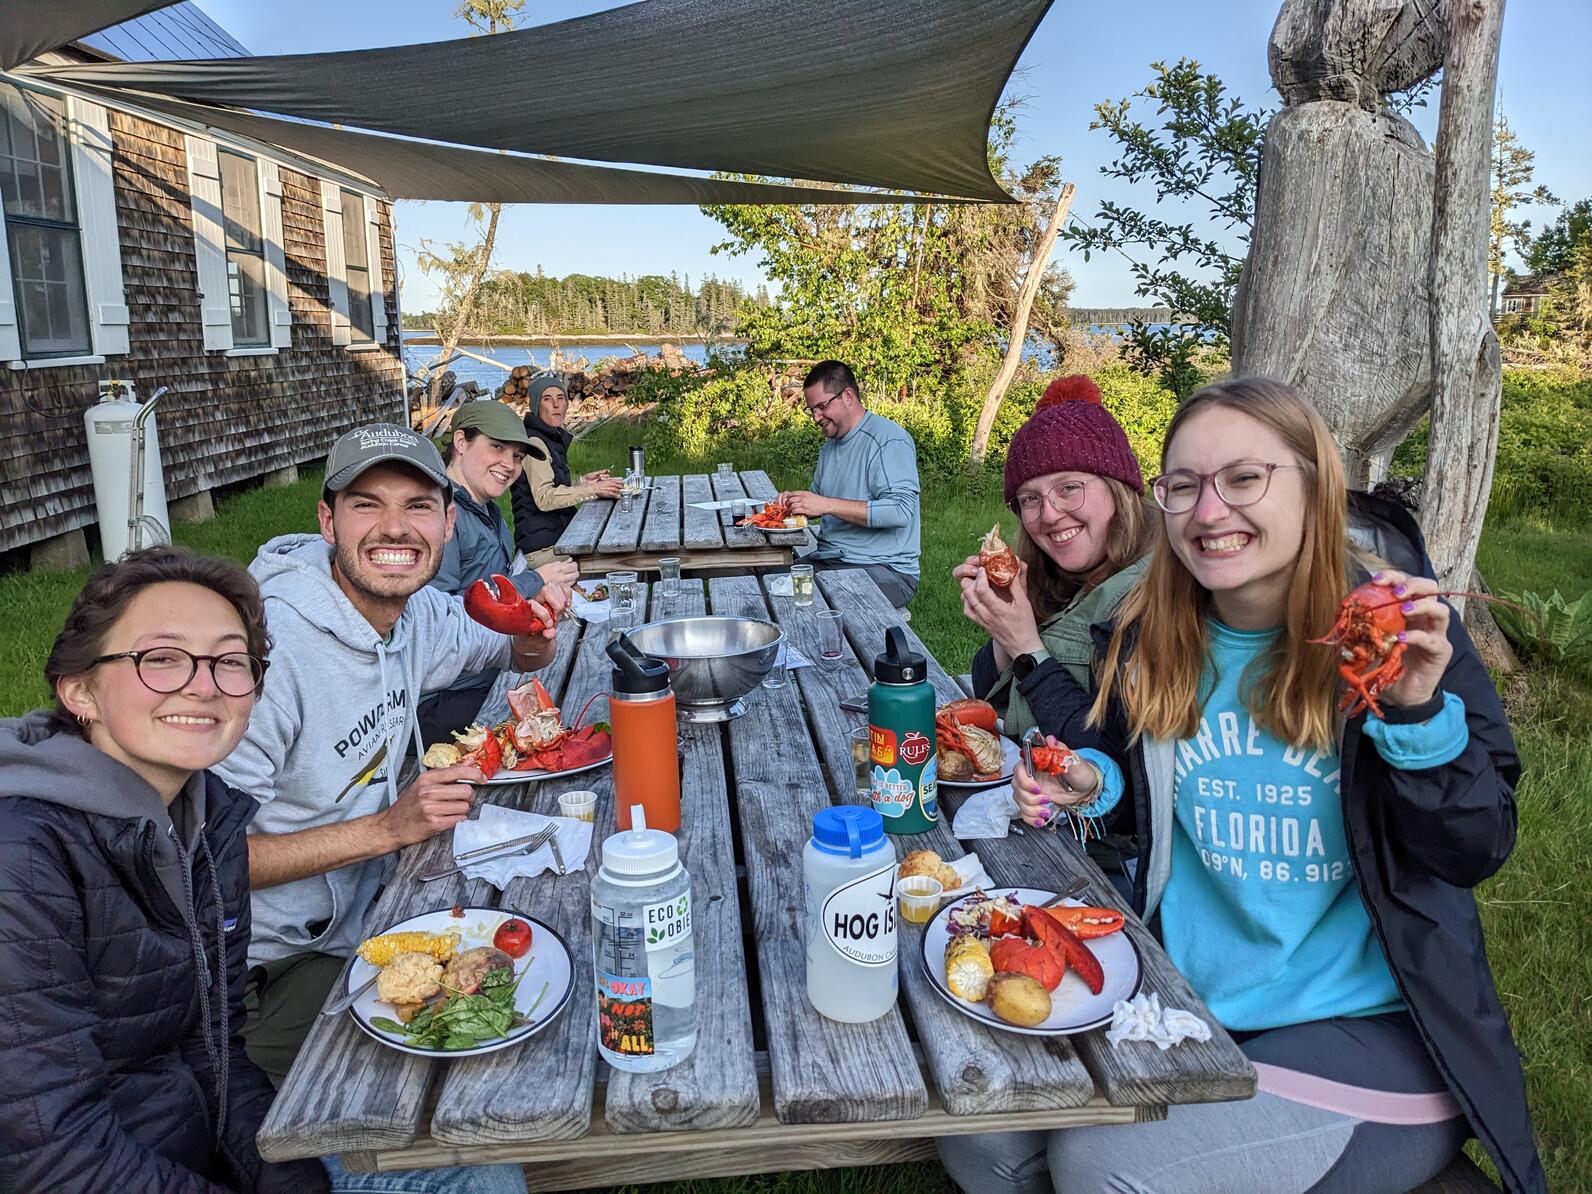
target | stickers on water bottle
[
  {"x": 858, "y": 918},
  {"x": 669, "y": 923},
  {"x": 624, "y": 1015}
]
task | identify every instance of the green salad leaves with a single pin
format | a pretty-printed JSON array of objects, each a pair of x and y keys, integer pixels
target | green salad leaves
[{"x": 466, "y": 1021}]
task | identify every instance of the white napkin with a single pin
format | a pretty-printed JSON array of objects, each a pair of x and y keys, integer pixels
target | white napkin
[
  {"x": 972, "y": 874},
  {"x": 498, "y": 824},
  {"x": 1143, "y": 1019},
  {"x": 590, "y": 611},
  {"x": 779, "y": 585},
  {"x": 791, "y": 657},
  {"x": 985, "y": 814}
]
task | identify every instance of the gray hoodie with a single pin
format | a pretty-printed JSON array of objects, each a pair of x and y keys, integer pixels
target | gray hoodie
[{"x": 327, "y": 736}]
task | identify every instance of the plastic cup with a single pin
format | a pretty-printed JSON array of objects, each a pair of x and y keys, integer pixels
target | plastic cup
[
  {"x": 669, "y": 575},
  {"x": 582, "y": 806},
  {"x": 831, "y": 642},
  {"x": 776, "y": 673},
  {"x": 801, "y": 583},
  {"x": 726, "y": 471},
  {"x": 862, "y": 760},
  {"x": 920, "y": 898}
]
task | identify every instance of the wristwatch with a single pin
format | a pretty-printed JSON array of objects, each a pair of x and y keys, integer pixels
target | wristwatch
[{"x": 1023, "y": 665}]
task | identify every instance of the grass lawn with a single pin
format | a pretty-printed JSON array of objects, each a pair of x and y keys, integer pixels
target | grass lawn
[{"x": 1539, "y": 932}]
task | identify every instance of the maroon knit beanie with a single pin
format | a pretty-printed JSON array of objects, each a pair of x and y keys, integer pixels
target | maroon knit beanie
[{"x": 1071, "y": 432}]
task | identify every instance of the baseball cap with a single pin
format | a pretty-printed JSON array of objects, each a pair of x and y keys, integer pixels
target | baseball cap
[
  {"x": 376, "y": 444},
  {"x": 490, "y": 417}
]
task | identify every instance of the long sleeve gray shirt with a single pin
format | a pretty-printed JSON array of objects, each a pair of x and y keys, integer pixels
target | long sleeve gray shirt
[{"x": 875, "y": 462}]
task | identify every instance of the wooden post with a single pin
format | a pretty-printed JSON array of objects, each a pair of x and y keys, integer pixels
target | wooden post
[
  {"x": 1466, "y": 369},
  {"x": 1019, "y": 329}
]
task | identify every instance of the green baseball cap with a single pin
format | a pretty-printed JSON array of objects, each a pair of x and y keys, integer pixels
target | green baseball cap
[{"x": 490, "y": 417}]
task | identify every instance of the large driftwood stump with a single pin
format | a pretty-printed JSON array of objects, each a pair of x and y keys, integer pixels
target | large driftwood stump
[
  {"x": 1334, "y": 297},
  {"x": 1354, "y": 50}
]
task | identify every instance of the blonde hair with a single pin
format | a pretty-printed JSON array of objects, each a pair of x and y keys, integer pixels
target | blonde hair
[
  {"x": 1128, "y": 538},
  {"x": 1156, "y": 657}
]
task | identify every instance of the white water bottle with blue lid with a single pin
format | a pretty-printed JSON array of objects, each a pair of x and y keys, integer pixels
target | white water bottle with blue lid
[{"x": 848, "y": 868}]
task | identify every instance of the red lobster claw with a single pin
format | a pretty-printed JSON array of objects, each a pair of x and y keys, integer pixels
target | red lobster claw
[{"x": 497, "y": 605}]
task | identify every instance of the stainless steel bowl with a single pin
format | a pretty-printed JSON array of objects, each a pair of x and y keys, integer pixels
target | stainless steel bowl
[{"x": 714, "y": 660}]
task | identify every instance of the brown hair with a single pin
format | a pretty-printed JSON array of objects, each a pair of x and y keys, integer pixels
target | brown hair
[
  {"x": 109, "y": 591},
  {"x": 1130, "y": 536},
  {"x": 1291, "y": 689}
]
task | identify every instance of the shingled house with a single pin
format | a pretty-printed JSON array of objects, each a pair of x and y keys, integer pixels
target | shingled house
[{"x": 257, "y": 284}]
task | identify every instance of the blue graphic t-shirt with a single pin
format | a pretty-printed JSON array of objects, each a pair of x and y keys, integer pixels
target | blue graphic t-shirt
[{"x": 1261, "y": 911}]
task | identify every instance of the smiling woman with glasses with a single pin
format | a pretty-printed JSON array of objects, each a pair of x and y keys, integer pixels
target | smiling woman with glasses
[
  {"x": 1309, "y": 869},
  {"x": 125, "y": 924}
]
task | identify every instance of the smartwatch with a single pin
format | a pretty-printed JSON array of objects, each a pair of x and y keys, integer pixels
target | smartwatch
[{"x": 1023, "y": 665}]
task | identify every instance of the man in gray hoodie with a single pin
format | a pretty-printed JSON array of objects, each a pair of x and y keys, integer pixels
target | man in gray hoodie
[{"x": 358, "y": 637}]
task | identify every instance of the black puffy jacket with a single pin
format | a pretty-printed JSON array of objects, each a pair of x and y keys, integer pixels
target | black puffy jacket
[{"x": 110, "y": 1078}]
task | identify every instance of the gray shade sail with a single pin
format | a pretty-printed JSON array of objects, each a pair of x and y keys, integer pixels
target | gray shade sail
[
  {"x": 30, "y": 27},
  {"x": 419, "y": 170},
  {"x": 888, "y": 93}
]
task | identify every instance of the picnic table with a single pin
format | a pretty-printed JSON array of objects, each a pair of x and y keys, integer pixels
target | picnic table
[
  {"x": 662, "y": 522},
  {"x": 771, "y": 1085}
]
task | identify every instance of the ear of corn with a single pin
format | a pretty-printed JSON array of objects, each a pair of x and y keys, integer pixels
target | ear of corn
[
  {"x": 379, "y": 951},
  {"x": 968, "y": 968}
]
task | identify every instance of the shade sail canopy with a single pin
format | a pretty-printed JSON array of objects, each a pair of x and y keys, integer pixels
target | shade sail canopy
[
  {"x": 421, "y": 170},
  {"x": 887, "y": 93},
  {"x": 30, "y": 27}
]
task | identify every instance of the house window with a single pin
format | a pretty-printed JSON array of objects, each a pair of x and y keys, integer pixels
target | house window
[
  {"x": 1511, "y": 305},
  {"x": 246, "y": 287},
  {"x": 357, "y": 267},
  {"x": 41, "y": 225}
]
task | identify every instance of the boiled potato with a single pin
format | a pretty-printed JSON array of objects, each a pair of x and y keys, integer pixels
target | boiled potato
[{"x": 1018, "y": 999}]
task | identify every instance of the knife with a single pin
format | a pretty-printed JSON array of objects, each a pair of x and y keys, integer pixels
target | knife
[{"x": 558, "y": 855}]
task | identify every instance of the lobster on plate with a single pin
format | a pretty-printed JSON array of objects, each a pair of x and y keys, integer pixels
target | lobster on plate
[
  {"x": 997, "y": 559},
  {"x": 538, "y": 739},
  {"x": 969, "y": 746},
  {"x": 775, "y": 515},
  {"x": 1044, "y": 948},
  {"x": 474, "y": 744}
]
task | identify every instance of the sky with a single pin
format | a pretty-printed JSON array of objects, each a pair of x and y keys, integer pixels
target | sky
[{"x": 1081, "y": 55}]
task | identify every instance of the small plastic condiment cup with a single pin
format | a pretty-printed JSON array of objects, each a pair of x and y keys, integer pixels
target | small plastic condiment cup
[
  {"x": 920, "y": 898},
  {"x": 582, "y": 806}
]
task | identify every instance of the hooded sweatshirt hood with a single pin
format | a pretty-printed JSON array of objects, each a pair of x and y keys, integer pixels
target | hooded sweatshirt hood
[
  {"x": 330, "y": 734},
  {"x": 44, "y": 763}
]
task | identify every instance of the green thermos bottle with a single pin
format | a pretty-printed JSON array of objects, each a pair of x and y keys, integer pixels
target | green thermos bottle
[{"x": 901, "y": 738}]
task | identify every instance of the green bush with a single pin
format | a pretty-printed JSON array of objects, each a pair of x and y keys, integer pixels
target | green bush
[{"x": 1550, "y": 629}]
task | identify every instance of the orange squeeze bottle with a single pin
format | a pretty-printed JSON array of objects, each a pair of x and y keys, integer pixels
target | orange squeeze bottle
[{"x": 646, "y": 739}]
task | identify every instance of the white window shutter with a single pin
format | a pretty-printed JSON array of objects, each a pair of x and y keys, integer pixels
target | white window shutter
[
  {"x": 210, "y": 244},
  {"x": 278, "y": 314},
  {"x": 336, "y": 262},
  {"x": 10, "y": 331},
  {"x": 101, "y": 237},
  {"x": 378, "y": 284}
]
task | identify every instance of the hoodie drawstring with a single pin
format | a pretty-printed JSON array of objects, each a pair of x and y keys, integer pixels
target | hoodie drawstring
[
  {"x": 411, "y": 722},
  {"x": 219, "y": 1056}
]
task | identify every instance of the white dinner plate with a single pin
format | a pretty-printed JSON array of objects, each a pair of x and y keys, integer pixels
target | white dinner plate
[
  {"x": 506, "y": 776},
  {"x": 1010, "y": 754},
  {"x": 548, "y": 963},
  {"x": 1073, "y": 1007}
]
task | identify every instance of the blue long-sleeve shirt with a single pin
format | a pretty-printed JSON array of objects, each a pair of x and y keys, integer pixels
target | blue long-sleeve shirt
[{"x": 875, "y": 462}]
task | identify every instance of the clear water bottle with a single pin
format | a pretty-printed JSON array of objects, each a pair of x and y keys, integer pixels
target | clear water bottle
[
  {"x": 848, "y": 868},
  {"x": 643, "y": 951}
]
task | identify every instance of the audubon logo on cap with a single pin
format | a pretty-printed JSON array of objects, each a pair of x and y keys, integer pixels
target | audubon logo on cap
[{"x": 386, "y": 437}]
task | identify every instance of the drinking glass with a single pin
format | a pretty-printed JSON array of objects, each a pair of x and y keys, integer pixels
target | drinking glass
[
  {"x": 726, "y": 471},
  {"x": 862, "y": 760},
  {"x": 801, "y": 583},
  {"x": 830, "y": 640},
  {"x": 742, "y": 509},
  {"x": 669, "y": 576},
  {"x": 622, "y": 595},
  {"x": 776, "y": 673}
]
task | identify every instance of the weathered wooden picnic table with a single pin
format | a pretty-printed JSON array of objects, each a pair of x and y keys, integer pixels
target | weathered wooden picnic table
[
  {"x": 662, "y": 522},
  {"x": 771, "y": 1085}
]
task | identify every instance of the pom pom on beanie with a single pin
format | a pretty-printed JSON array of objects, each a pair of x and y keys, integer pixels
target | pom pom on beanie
[{"x": 1071, "y": 431}]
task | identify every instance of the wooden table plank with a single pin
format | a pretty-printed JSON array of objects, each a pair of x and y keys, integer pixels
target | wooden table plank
[
  {"x": 346, "y": 1091},
  {"x": 586, "y": 528},
  {"x": 977, "y": 1070},
  {"x": 823, "y": 1071},
  {"x": 623, "y": 531},
  {"x": 660, "y": 532},
  {"x": 486, "y": 1100},
  {"x": 702, "y": 530},
  {"x": 1134, "y": 1072},
  {"x": 716, "y": 1087},
  {"x": 757, "y": 485},
  {"x": 734, "y": 536}
]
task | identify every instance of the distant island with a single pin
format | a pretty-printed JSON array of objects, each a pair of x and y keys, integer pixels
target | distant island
[{"x": 1098, "y": 316}]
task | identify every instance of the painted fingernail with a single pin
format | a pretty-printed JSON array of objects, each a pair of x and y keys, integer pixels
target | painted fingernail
[
  {"x": 1408, "y": 607},
  {"x": 1398, "y": 590},
  {"x": 1044, "y": 804},
  {"x": 1375, "y": 576},
  {"x": 1403, "y": 637}
]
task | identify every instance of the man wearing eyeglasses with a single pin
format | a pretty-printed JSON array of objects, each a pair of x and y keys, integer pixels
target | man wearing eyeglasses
[
  {"x": 865, "y": 487},
  {"x": 359, "y": 635}
]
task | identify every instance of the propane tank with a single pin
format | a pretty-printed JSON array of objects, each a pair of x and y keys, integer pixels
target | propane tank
[{"x": 114, "y": 426}]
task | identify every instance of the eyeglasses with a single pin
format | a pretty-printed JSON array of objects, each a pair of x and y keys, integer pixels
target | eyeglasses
[
  {"x": 1061, "y": 497},
  {"x": 821, "y": 407},
  {"x": 1237, "y": 485},
  {"x": 169, "y": 669}
]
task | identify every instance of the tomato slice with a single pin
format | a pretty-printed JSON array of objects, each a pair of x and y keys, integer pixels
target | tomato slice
[
  {"x": 1087, "y": 923},
  {"x": 513, "y": 937}
]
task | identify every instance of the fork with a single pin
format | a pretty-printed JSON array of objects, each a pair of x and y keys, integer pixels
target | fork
[{"x": 527, "y": 846}]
